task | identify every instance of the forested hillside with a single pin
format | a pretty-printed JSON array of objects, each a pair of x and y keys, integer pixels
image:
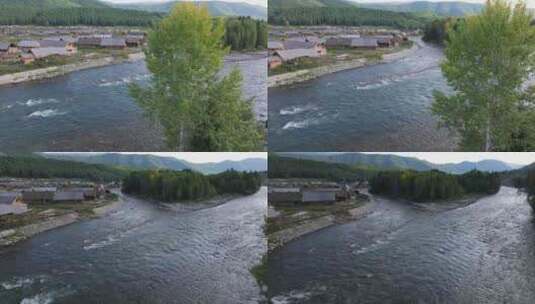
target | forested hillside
[
  {"x": 35, "y": 167},
  {"x": 216, "y": 8},
  {"x": 286, "y": 4},
  {"x": 187, "y": 185},
  {"x": 344, "y": 16},
  {"x": 433, "y": 185},
  {"x": 283, "y": 167},
  {"x": 453, "y": 8},
  {"x": 70, "y": 12}
]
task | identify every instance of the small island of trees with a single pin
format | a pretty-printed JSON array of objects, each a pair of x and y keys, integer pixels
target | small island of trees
[
  {"x": 187, "y": 185},
  {"x": 433, "y": 185}
]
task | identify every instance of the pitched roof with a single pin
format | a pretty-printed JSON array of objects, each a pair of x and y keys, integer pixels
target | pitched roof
[
  {"x": 363, "y": 42},
  {"x": 4, "y": 46},
  {"x": 298, "y": 44},
  {"x": 67, "y": 39},
  {"x": 29, "y": 44},
  {"x": 113, "y": 42},
  {"x": 287, "y": 55},
  {"x": 39, "y": 53},
  {"x": 88, "y": 40},
  {"x": 275, "y": 45},
  {"x": 7, "y": 199},
  {"x": 69, "y": 196},
  {"x": 53, "y": 43}
]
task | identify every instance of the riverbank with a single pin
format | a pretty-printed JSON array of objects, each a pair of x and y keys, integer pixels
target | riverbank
[
  {"x": 281, "y": 227},
  {"x": 47, "y": 217},
  {"x": 313, "y": 73},
  {"x": 56, "y": 71}
]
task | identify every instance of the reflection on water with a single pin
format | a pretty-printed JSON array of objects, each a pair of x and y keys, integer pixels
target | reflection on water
[
  {"x": 482, "y": 253},
  {"x": 142, "y": 254},
  {"x": 384, "y": 107},
  {"x": 91, "y": 110}
]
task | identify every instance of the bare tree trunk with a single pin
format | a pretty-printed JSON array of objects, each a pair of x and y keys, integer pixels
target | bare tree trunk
[
  {"x": 488, "y": 143},
  {"x": 181, "y": 144}
]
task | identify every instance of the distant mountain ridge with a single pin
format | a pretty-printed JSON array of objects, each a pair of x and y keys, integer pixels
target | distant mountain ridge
[
  {"x": 393, "y": 162},
  {"x": 51, "y": 4},
  {"x": 147, "y": 161},
  {"x": 216, "y": 8},
  {"x": 286, "y": 4},
  {"x": 454, "y": 8}
]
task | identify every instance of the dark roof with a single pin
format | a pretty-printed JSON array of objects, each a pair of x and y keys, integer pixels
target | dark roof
[
  {"x": 364, "y": 42},
  {"x": 67, "y": 39},
  {"x": 7, "y": 199},
  {"x": 298, "y": 44},
  {"x": 37, "y": 195},
  {"x": 275, "y": 45},
  {"x": 92, "y": 41},
  {"x": 113, "y": 42},
  {"x": 53, "y": 43},
  {"x": 39, "y": 53},
  {"x": 4, "y": 46},
  {"x": 287, "y": 55},
  {"x": 29, "y": 43},
  {"x": 69, "y": 196}
]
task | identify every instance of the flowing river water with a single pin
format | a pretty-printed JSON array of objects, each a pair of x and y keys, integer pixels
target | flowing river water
[
  {"x": 141, "y": 253},
  {"x": 91, "y": 110},
  {"x": 384, "y": 107},
  {"x": 400, "y": 253}
]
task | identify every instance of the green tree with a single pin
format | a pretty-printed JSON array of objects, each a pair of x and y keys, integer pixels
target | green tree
[
  {"x": 488, "y": 58},
  {"x": 199, "y": 109}
]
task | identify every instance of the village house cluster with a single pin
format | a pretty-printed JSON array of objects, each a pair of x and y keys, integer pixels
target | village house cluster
[
  {"x": 310, "y": 192},
  {"x": 17, "y": 196},
  {"x": 289, "y": 46},
  {"x": 27, "y": 51}
]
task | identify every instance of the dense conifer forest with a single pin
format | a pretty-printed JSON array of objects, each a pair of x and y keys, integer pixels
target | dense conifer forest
[
  {"x": 245, "y": 33},
  {"x": 187, "y": 185},
  {"x": 35, "y": 167},
  {"x": 282, "y": 167},
  {"x": 67, "y": 16},
  {"x": 345, "y": 16},
  {"x": 433, "y": 185}
]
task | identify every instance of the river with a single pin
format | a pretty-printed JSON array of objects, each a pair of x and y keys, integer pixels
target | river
[
  {"x": 482, "y": 253},
  {"x": 140, "y": 253},
  {"x": 383, "y": 107},
  {"x": 91, "y": 110}
]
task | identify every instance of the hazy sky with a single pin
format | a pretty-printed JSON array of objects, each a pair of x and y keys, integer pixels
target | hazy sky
[
  {"x": 531, "y": 3},
  {"x": 456, "y": 157},
  {"x": 204, "y": 157},
  {"x": 257, "y": 2}
]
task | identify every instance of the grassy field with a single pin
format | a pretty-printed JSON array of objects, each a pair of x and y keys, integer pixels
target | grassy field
[
  {"x": 41, "y": 212},
  {"x": 337, "y": 55}
]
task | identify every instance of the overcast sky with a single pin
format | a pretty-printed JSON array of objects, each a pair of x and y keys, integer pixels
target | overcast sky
[
  {"x": 531, "y": 3},
  {"x": 256, "y": 2},
  {"x": 457, "y": 157}
]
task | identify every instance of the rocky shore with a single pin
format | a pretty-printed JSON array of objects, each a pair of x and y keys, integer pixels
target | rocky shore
[
  {"x": 12, "y": 236},
  {"x": 55, "y": 71},
  {"x": 309, "y": 74}
]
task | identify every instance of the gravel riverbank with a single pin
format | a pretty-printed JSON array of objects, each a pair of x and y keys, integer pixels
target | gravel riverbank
[
  {"x": 55, "y": 71},
  {"x": 309, "y": 74},
  {"x": 279, "y": 238}
]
